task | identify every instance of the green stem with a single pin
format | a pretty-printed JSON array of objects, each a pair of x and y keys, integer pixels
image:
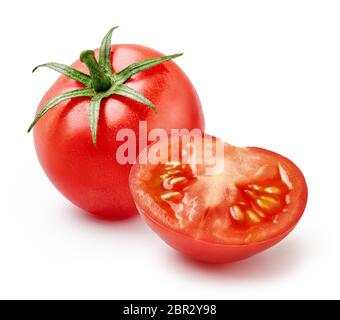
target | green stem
[
  {"x": 101, "y": 83},
  {"x": 100, "y": 80}
]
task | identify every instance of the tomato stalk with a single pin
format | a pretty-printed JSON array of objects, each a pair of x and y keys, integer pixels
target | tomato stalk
[{"x": 101, "y": 83}]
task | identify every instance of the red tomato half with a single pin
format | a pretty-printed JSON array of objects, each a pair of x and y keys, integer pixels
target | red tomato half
[
  {"x": 89, "y": 175},
  {"x": 251, "y": 204}
]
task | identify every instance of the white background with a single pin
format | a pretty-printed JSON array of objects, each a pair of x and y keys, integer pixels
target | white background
[{"x": 268, "y": 74}]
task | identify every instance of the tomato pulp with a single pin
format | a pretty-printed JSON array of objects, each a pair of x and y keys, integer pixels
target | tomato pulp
[
  {"x": 87, "y": 174},
  {"x": 230, "y": 214}
]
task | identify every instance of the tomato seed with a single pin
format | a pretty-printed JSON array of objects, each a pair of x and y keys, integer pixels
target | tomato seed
[
  {"x": 236, "y": 213},
  {"x": 171, "y": 196},
  {"x": 253, "y": 216},
  {"x": 270, "y": 200},
  {"x": 265, "y": 205},
  {"x": 272, "y": 190},
  {"x": 177, "y": 180},
  {"x": 174, "y": 172}
]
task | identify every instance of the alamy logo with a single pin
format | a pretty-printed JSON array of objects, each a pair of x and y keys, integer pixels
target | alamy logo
[{"x": 181, "y": 145}]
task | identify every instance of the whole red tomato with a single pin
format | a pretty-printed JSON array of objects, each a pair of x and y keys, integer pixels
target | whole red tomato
[
  {"x": 84, "y": 168},
  {"x": 249, "y": 200}
]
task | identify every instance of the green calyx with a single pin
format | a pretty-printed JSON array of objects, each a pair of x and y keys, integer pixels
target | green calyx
[
  {"x": 101, "y": 83},
  {"x": 100, "y": 80}
]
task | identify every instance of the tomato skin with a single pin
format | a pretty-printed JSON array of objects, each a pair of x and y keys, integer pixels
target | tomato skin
[
  {"x": 206, "y": 251},
  {"x": 214, "y": 252},
  {"x": 88, "y": 175}
]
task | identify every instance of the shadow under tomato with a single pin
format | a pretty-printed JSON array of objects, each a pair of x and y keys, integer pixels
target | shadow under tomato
[
  {"x": 274, "y": 262},
  {"x": 277, "y": 261}
]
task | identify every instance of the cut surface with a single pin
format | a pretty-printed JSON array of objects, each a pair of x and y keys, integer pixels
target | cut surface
[{"x": 256, "y": 196}]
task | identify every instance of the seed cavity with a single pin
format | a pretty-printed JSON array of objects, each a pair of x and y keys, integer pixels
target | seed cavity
[
  {"x": 175, "y": 179},
  {"x": 258, "y": 202}
]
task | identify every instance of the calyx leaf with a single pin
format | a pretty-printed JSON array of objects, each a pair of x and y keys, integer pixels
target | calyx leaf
[
  {"x": 67, "y": 71},
  {"x": 105, "y": 52},
  {"x": 128, "y": 92},
  {"x": 86, "y": 92},
  {"x": 94, "y": 116},
  {"x": 101, "y": 82},
  {"x": 146, "y": 64}
]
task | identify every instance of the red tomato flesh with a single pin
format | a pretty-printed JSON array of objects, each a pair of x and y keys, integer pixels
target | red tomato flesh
[{"x": 252, "y": 204}]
